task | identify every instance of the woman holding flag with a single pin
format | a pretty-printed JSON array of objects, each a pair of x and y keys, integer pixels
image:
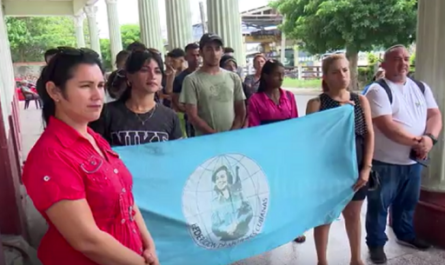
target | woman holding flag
[{"x": 336, "y": 80}]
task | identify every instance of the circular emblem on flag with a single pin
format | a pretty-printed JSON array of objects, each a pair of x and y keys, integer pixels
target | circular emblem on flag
[{"x": 225, "y": 201}]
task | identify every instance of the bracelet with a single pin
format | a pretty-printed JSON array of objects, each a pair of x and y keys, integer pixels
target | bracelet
[{"x": 369, "y": 166}]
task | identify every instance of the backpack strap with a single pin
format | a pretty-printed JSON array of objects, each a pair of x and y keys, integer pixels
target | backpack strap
[
  {"x": 420, "y": 84},
  {"x": 385, "y": 86}
]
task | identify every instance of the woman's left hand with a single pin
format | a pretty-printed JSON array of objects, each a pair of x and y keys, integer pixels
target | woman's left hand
[
  {"x": 150, "y": 256},
  {"x": 362, "y": 179}
]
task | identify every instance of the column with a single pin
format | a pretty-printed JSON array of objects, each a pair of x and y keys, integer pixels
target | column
[
  {"x": 430, "y": 67},
  {"x": 224, "y": 19},
  {"x": 92, "y": 25},
  {"x": 179, "y": 23},
  {"x": 78, "y": 25},
  {"x": 114, "y": 28},
  {"x": 150, "y": 24}
]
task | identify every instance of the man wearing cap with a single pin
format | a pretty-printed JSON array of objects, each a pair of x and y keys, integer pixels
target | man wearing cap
[{"x": 213, "y": 97}]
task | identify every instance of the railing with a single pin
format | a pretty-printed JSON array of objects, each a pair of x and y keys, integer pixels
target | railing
[{"x": 304, "y": 72}]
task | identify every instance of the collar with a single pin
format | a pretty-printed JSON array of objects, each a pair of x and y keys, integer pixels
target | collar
[
  {"x": 66, "y": 134},
  {"x": 282, "y": 99}
]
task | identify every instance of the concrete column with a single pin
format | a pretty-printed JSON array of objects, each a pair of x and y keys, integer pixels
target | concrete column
[
  {"x": 92, "y": 25},
  {"x": 224, "y": 19},
  {"x": 430, "y": 68},
  {"x": 114, "y": 28},
  {"x": 151, "y": 33},
  {"x": 78, "y": 25},
  {"x": 179, "y": 23}
]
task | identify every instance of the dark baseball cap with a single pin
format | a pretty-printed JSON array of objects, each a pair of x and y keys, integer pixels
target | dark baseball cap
[{"x": 208, "y": 38}]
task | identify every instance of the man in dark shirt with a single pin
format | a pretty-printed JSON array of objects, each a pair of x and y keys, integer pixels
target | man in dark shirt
[{"x": 193, "y": 59}]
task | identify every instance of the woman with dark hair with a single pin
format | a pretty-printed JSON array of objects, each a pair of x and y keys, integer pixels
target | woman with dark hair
[
  {"x": 271, "y": 103},
  {"x": 75, "y": 180},
  {"x": 135, "y": 118},
  {"x": 336, "y": 80}
]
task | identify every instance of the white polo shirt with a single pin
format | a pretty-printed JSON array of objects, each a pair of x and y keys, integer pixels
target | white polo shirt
[{"x": 409, "y": 109}]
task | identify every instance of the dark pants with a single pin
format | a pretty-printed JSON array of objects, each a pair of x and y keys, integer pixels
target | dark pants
[{"x": 399, "y": 190}]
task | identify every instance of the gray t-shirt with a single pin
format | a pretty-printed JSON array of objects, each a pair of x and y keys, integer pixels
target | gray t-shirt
[
  {"x": 121, "y": 127},
  {"x": 214, "y": 96}
]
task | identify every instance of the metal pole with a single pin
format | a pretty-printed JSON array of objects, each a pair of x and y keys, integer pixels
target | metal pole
[
  {"x": 283, "y": 44},
  {"x": 203, "y": 17}
]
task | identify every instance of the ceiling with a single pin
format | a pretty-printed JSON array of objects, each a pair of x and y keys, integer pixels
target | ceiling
[{"x": 44, "y": 7}]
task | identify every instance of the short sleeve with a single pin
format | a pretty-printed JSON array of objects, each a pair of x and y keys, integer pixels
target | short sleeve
[
  {"x": 429, "y": 98},
  {"x": 239, "y": 93},
  {"x": 176, "y": 132},
  {"x": 378, "y": 101},
  {"x": 49, "y": 179},
  {"x": 188, "y": 93}
]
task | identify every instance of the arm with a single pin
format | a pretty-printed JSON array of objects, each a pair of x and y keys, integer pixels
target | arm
[
  {"x": 189, "y": 98},
  {"x": 433, "y": 124},
  {"x": 239, "y": 105},
  {"x": 254, "y": 117},
  {"x": 170, "y": 75},
  {"x": 87, "y": 238},
  {"x": 369, "y": 137},
  {"x": 381, "y": 112},
  {"x": 313, "y": 106},
  {"x": 145, "y": 234},
  {"x": 434, "y": 117}
]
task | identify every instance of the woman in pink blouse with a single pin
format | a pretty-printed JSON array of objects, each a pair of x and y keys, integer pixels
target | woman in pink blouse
[{"x": 271, "y": 103}]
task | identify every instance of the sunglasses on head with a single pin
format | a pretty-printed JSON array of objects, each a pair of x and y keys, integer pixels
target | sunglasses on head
[
  {"x": 69, "y": 51},
  {"x": 76, "y": 52}
]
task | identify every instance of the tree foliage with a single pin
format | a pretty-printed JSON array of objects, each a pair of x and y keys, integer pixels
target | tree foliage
[
  {"x": 30, "y": 37},
  {"x": 129, "y": 32},
  {"x": 354, "y": 25},
  {"x": 358, "y": 25}
]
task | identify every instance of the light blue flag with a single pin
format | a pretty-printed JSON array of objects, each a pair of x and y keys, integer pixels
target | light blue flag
[{"x": 221, "y": 198}]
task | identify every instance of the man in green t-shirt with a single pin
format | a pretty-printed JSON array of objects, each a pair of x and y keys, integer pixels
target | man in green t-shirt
[{"x": 213, "y": 97}]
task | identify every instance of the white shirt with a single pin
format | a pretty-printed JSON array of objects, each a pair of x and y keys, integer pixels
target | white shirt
[{"x": 409, "y": 109}]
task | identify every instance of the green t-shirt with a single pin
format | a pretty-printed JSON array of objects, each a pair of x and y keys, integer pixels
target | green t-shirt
[{"x": 214, "y": 96}]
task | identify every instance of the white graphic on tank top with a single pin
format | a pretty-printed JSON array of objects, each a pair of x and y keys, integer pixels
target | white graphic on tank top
[{"x": 138, "y": 137}]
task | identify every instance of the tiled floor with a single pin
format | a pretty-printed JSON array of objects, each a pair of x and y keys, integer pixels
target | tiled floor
[{"x": 289, "y": 254}]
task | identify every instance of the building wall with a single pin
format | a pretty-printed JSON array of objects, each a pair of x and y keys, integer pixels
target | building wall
[
  {"x": 28, "y": 71},
  {"x": 11, "y": 214}
]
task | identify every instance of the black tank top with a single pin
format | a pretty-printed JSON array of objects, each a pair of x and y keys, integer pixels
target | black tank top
[{"x": 326, "y": 102}]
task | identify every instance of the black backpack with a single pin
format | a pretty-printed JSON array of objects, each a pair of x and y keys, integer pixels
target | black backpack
[{"x": 385, "y": 86}]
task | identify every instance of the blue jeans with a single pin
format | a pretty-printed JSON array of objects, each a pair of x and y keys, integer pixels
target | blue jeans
[{"x": 399, "y": 191}]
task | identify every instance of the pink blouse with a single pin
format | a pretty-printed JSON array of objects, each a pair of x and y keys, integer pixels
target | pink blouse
[{"x": 262, "y": 110}]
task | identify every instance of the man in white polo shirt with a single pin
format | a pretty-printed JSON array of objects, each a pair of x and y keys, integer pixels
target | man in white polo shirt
[{"x": 407, "y": 123}]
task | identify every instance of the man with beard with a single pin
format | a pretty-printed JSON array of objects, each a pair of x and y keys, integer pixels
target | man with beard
[{"x": 213, "y": 97}]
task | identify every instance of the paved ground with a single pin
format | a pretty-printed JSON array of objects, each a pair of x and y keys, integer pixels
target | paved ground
[{"x": 288, "y": 254}]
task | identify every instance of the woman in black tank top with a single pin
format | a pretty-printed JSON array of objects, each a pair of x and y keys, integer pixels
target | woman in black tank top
[{"x": 336, "y": 79}]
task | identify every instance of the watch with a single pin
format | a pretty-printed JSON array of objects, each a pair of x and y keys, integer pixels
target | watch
[{"x": 434, "y": 139}]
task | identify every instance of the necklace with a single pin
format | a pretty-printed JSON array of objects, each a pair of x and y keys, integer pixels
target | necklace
[{"x": 143, "y": 121}]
